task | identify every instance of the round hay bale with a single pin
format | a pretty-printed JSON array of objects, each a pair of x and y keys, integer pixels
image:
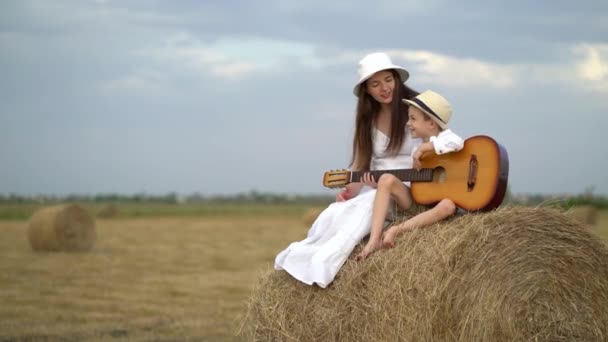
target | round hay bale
[
  {"x": 61, "y": 228},
  {"x": 586, "y": 214},
  {"x": 311, "y": 215},
  {"x": 514, "y": 274},
  {"x": 108, "y": 211}
]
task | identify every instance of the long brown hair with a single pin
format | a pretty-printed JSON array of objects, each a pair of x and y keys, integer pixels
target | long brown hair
[{"x": 367, "y": 111}]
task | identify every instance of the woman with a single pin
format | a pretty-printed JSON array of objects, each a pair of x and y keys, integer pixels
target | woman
[{"x": 381, "y": 142}]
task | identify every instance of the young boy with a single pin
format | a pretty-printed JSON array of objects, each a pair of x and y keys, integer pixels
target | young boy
[{"x": 428, "y": 114}]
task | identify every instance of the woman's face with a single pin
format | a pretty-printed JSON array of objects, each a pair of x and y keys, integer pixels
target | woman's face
[{"x": 380, "y": 86}]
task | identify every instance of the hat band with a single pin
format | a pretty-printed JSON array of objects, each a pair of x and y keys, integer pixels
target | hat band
[{"x": 425, "y": 107}]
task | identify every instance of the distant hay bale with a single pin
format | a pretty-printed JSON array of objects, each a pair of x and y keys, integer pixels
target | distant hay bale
[
  {"x": 108, "y": 211},
  {"x": 586, "y": 214},
  {"x": 61, "y": 228},
  {"x": 514, "y": 274},
  {"x": 311, "y": 215}
]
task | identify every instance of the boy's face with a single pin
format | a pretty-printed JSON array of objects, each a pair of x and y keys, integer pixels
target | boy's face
[{"x": 420, "y": 125}]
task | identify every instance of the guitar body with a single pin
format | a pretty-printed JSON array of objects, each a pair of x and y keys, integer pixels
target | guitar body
[{"x": 474, "y": 178}]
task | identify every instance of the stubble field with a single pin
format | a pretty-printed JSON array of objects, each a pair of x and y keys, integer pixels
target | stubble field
[
  {"x": 161, "y": 279},
  {"x": 147, "y": 279}
]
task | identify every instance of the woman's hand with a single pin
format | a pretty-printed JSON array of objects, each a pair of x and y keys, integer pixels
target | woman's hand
[
  {"x": 343, "y": 195},
  {"x": 351, "y": 190},
  {"x": 369, "y": 180}
]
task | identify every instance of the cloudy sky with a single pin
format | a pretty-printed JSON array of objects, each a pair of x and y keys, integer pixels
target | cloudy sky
[{"x": 229, "y": 96}]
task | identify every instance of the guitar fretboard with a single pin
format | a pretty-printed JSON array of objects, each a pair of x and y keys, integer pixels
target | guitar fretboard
[{"x": 406, "y": 175}]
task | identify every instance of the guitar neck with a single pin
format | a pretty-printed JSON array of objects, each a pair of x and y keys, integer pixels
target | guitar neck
[{"x": 406, "y": 175}]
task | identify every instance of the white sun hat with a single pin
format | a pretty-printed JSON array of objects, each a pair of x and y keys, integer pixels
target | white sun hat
[
  {"x": 375, "y": 62},
  {"x": 434, "y": 105}
]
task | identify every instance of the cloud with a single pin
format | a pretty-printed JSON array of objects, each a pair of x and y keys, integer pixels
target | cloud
[
  {"x": 592, "y": 68},
  {"x": 584, "y": 66},
  {"x": 229, "y": 57},
  {"x": 387, "y": 8},
  {"x": 436, "y": 68},
  {"x": 184, "y": 51},
  {"x": 278, "y": 75},
  {"x": 233, "y": 70},
  {"x": 183, "y": 54},
  {"x": 139, "y": 82}
]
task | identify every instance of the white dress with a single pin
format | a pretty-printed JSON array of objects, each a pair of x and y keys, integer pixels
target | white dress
[{"x": 342, "y": 225}]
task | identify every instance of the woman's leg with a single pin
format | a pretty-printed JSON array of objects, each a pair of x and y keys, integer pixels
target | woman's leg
[{"x": 388, "y": 186}]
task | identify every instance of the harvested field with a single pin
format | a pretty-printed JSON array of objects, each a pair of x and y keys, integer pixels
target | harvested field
[
  {"x": 586, "y": 214},
  {"x": 160, "y": 279},
  {"x": 152, "y": 279}
]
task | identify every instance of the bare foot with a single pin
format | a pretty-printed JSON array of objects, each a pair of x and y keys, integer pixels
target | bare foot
[
  {"x": 388, "y": 240},
  {"x": 370, "y": 248}
]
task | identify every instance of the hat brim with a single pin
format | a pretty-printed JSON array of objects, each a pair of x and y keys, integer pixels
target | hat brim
[
  {"x": 437, "y": 121},
  {"x": 403, "y": 73}
]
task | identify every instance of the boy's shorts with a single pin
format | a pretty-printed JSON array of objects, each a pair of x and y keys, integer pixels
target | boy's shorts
[{"x": 460, "y": 212}]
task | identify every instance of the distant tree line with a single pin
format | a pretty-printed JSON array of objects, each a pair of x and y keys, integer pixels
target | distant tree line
[
  {"x": 565, "y": 201},
  {"x": 252, "y": 196}
]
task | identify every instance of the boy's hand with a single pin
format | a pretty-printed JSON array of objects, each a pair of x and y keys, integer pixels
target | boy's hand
[
  {"x": 416, "y": 158},
  {"x": 424, "y": 147}
]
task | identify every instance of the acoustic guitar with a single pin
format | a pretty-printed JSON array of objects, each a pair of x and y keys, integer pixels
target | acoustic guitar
[{"x": 474, "y": 178}]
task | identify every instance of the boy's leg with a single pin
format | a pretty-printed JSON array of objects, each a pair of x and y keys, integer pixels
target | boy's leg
[
  {"x": 442, "y": 210},
  {"x": 388, "y": 185}
]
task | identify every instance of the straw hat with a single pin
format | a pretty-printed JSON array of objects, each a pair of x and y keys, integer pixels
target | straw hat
[
  {"x": 373, "y": 63},
  {"x": 434, "y": 105}
]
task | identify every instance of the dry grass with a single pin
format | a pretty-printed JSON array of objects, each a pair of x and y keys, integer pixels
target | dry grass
[
  {"x": 585, "y": 214},
  {"x": 166, "y": 279},
  {"x": 148, "y": 279},
  {"x": 311, "y": 215},
  {"x": 516, "y": 274},
  {"x": 108, "y": 211},
  {"x": 67, "y": 228},
  {"x": 601, "y": 226}
]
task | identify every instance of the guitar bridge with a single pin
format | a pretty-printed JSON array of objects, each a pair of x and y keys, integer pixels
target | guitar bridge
[{"x": 472, "y": 173}]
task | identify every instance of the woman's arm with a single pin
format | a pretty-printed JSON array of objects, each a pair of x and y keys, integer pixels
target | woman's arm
[{"x": 352, "y": 189}]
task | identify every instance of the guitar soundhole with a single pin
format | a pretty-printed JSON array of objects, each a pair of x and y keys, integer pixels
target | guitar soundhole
[{"x": 439, "y": 175}]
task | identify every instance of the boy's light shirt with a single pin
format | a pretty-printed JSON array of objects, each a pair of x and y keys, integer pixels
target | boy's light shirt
[{"x": 446, "y": 142}]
